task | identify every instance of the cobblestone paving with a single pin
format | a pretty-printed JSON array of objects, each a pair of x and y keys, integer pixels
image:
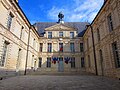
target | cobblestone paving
[{"x": 47, "y": 82}]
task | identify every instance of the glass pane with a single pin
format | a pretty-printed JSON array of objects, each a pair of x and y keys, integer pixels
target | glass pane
[
  {"x": 71, "y": 34},
  {"x": 49, "y": 34},
  {"x": 60, "y": 34},
  {"x": 72, "y": 47},
  {"x": 61, "y": 47},
  {"x": 4, "y": 54}
]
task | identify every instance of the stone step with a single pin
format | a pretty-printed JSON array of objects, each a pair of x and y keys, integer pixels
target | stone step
[{"x": 59, "y": 73}]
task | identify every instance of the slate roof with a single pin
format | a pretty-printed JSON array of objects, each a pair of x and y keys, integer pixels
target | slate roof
[{"x": 80, "y": 26}]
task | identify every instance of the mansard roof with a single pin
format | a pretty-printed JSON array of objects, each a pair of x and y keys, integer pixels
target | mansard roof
[{"x": 79, "y": 26}]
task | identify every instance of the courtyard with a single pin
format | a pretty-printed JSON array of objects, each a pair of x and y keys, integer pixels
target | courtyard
[{"x": 59, "y": 82}]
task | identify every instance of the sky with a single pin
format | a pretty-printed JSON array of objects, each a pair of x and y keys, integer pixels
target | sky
[{"x": 48, "y": 10}]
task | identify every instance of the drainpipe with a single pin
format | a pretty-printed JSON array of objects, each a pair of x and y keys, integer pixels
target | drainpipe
[
  {"x": 25, "y": 72},
  {"x": 93, "y": 42}
]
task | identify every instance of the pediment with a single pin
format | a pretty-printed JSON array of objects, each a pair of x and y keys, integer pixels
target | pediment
[{"x": 60, "y": 27}]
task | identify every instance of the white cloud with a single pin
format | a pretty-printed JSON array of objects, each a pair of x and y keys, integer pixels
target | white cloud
[
  {"x": 92, "y": 16},
  {"x": 75, "y": 17},
  {"x": 53, "y": 13},
  {"x": 80, "y": 11}
]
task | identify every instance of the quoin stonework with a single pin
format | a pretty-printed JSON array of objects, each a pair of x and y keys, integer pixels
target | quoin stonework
[{"x": 60, "y": 46}]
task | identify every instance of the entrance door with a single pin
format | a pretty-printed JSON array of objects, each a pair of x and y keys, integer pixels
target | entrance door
[{"x": 60, "y": 65}]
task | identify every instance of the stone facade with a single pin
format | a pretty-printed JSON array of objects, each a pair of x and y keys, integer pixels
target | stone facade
[
  {"x": 63, "y": 52},
  {"x": 16, "y": 38},
  {"x": 104, "y": 37},
  {"x": 24, "y": 47}
]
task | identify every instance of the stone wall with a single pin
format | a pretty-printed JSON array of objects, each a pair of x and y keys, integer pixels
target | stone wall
[
  {"x": 17, "y": 37},
  {"x": 106, "y": 40}
]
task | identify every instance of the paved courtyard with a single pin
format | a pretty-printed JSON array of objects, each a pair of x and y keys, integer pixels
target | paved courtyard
[{"x": 47, "y": 82}]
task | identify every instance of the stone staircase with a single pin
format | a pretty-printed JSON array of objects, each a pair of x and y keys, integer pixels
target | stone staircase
[{"x": 37, "y": 72}]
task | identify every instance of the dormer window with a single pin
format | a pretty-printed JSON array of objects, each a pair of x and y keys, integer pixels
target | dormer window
[
  {"x": 49, "y": 34},
  {"x": 71, "y": 34},
  {"x": 60, "y": 34}
]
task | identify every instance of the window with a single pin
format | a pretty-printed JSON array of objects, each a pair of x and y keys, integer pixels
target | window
[
  {"x": 72, "y": 47},
  {"x": 32, "y": 62},
  {"x": 98, "y": 34},
  {"x": 48, "y": 62},
  {"x": 35, "y": 63},
  {"x": 41, "y": 47},
  {"x": 49, "y": 47},
  {"x": 72, "y": 62},
  {"x": 18, "y": 60},
  {"x": 4, "y": 54},
  {"x": 21, "y": 34},
  {"x": 116, "y": 54},
  {"x": 19, "y": 54},
  {"x": 110, "y": 23},
  {"x": 60, "y": 34},
  {"x": 81, "y": 47},
  {"x": 9, "y": 22},
  {"x": 101, "y": 62},
  {"x": 101, "y": 55},
  {"x": 71, "y": 34},
  {"x": 89, "y": 62},
  {"x": 61, "y": 47},
  {"x": 87, "y": 44},
  {"x": 49, "y": 34},
  {"x": 82, "y": 62},
  {"x": 40, "y": 62},
  {"x": 34, "y": 43}
]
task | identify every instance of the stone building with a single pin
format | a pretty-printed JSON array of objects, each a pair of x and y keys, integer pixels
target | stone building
[
  {"x": 61, "y": 46},
  {"x": 18, "y": 39},
  {"x": 106, "y": 32}
]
